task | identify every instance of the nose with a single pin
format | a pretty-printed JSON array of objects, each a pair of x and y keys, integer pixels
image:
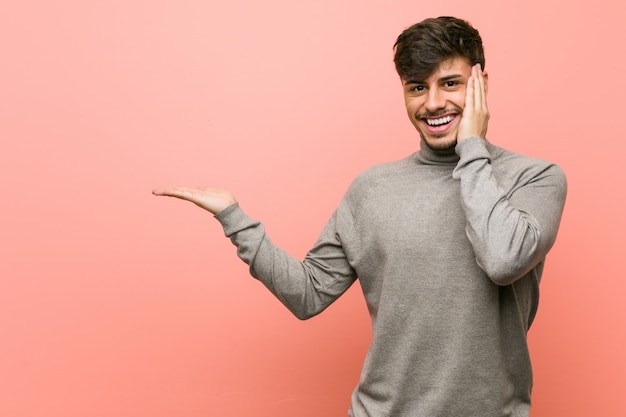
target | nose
[{"x": 435, "y": 100}]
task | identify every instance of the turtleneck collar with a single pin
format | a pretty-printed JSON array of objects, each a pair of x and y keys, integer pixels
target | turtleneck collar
[{"x": 428, "y": 156}]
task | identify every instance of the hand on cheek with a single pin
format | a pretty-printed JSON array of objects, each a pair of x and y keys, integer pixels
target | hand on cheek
[{"x": 475, "y": 114}]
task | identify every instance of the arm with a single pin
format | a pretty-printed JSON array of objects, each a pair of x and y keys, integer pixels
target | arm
[
  {"x": 305, "y": 287},
  {"x": 513, "y": 214}
]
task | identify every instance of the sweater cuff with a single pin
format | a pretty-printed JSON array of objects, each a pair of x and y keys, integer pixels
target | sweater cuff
[
  {"x": 233, "y": 219},
  {"x": 469, "y": 150},
  {"x": 472, "y": 147}
]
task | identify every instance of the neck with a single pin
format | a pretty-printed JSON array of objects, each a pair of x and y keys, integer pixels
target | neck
[{"x": 432, "y": 156}]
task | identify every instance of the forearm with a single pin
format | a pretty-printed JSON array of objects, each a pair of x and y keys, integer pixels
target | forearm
[
  {"x": 511, "y": 226},
  {"x": 305, "y": 287}
]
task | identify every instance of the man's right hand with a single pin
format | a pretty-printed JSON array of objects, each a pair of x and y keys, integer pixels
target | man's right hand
[{"x": 208, "y": 198}]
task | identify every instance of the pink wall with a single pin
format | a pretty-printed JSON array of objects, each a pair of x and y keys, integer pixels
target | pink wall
[{"x": 116, "y": 303}]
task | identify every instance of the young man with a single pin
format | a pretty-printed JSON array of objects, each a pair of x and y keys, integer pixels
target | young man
[{"x": 448, "y": 243}]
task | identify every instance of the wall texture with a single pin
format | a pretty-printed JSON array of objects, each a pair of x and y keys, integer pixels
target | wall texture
[{"x": 116, "y": 303}]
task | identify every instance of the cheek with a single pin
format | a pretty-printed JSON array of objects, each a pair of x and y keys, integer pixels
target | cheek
[
  {"x": 411, "y": 111},
  {"x": 412, "y": 106},
  {"x": 459, "y": 99}
]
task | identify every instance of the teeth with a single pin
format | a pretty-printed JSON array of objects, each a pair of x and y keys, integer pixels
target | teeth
[{"x": 440, "y": 121}]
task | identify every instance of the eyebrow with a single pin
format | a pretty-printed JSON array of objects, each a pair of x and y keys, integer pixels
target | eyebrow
[{"x": 442, "y": 79}]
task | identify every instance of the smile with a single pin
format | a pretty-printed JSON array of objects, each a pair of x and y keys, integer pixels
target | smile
[{"x": 439, "y": 121}]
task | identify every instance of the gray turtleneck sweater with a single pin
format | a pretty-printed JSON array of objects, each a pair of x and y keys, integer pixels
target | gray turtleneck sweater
[{"x": 449, "y": 249}]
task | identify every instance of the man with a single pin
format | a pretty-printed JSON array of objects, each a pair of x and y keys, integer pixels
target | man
[{"x": 448, "y": 243}]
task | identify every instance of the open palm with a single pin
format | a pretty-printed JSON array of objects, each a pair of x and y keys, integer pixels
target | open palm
[{"x": 211, "y": 199}]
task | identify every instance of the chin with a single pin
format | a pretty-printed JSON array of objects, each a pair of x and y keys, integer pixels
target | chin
[{"x": 441, "y": 144}]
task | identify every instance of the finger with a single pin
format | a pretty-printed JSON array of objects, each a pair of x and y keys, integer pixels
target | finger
[
  {"x": 476, "y": 77},
  {"x": 166, "y": 191},
  {"x": 469, "y": 93},
  {"x": 483, "y": 89},
  {"x": 179, "y": 192}
]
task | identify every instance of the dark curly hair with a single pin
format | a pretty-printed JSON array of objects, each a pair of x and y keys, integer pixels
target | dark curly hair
[{"x": 422, "y": 47}]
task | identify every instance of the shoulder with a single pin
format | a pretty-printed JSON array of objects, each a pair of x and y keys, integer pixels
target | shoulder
[
  {"x": 523, "y": 168},
  {"x": 375, "y": 175},
  {"x": 366, "y": 187}
]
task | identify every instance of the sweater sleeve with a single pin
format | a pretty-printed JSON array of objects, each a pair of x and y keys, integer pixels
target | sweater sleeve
[
  {"x": 512, "y": 214},
  {"x": 305, "y": 287}
]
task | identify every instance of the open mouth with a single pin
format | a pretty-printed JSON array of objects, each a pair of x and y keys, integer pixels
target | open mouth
[
  {"x": 439, "y": 125},
  {"x": 439, "y": 121}
]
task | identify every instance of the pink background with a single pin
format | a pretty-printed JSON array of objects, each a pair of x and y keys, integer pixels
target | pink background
[{"x": 117, "y": 303}]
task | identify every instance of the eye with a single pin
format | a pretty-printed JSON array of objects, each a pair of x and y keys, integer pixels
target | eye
[
  {"x": 451, "y": 84},
  {"x": 418, "y": 88}
]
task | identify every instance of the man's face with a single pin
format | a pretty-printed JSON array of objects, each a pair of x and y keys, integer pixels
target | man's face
[{"x": 435, "y": 105}]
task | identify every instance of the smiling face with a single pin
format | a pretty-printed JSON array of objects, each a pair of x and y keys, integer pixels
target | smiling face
[{"x": 435, "y": 105}]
